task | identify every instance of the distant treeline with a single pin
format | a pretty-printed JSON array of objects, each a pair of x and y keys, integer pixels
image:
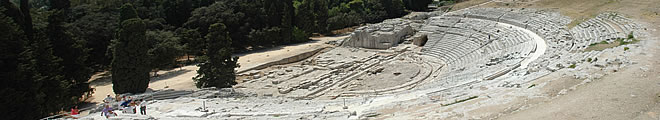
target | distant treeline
[{"x": 51, "y": 48}]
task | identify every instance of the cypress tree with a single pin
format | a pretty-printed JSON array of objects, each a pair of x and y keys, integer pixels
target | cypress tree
[
  {"x": 287, "y": 21},
  {"x": 72, "y": 52},
  {"x": 14, "y": 89},
  {"x": 130, "y": 63},
  {"x": 218, "y": 68}
]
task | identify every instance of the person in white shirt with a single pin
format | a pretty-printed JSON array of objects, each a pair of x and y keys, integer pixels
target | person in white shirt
[
  {"x": 108, "y": 99},
  {"x": 143, "y": 107}
]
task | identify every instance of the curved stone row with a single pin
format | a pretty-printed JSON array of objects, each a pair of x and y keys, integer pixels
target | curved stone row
[
  {"x": 474, "y": 48},
  {"x": 504, "y": 47},
  {"x": 470, "y": 42},
  {"x": 606, "y": 27}
]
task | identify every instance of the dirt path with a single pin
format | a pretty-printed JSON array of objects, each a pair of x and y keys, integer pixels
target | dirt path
[
  {"x": 541, "y": 46},
  {"x": 250, "y": 60},
  {"x": 181, "y": 78}
]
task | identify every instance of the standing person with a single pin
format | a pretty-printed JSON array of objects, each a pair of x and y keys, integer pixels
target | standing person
[
  {"x": 108, "y": 99},
  {"x": 75, "y": 112},
  {"x": 143, "y": 107}
]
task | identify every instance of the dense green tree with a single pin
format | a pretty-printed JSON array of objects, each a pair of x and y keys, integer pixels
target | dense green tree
[
  {"x": 218, "y": 68},
  {"x": 177, "y": 11},
  {"x": 96, "y": 26},
  {"x": 266, "y": 36},
  {"x": 34, "y": 73},
  {"x": 192, "y": 41},
  {"x": 127, "y": 11},
  {"x": 130, "y": 63},
  {"x": 220, "y": 12},
  {"x": 27, "y": 18},
  {"x": 71, "y": 51},
  {"x": 288, "y": 14},
  {"x": 13, "y": 12},
  {"x": 14, "y": 89},
  {"x": 300, "y": 35},
  {"x": 44, "y": 86},
  {"x": 311, "y": 16},
  {"x": 41, "y": 69},
  {"x": 165, "y": 49},
  {"x": 321, "y": 15}
]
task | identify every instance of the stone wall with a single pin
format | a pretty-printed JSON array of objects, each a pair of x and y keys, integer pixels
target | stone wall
[{"x": 287, "y": 60}]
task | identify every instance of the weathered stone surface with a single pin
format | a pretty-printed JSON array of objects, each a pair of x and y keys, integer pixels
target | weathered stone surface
[
  {"x": 382, "y": 35},
  {"x": 420, "y": 38},
  {"x": 417, "y": 16}
]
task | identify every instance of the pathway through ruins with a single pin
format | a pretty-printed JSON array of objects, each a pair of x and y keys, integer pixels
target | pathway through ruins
[{"x": 541, "y": 46}]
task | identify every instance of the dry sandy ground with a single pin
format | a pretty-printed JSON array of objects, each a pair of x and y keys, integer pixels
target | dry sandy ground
[
  {"x": 631, "y": 93},
  {"x": 255, "y": 58},
  {"x": 181, "y": 78}
]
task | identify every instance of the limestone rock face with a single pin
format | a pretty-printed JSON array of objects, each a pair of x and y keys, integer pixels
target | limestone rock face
[
  {"x": 382, "y": 35},
  {"x": 420, "y": 38},
  {"x": 417, "y": 16}
]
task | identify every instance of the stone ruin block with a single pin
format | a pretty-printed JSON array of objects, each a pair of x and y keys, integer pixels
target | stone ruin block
[
  {"x": 382, "y": 35},
  {"x": 420, "y": 38}
]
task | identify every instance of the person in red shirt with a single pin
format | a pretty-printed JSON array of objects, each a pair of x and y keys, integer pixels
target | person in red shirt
[{"x": 75, "y": 112}]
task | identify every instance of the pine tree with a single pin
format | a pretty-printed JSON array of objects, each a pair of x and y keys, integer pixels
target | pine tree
[
  {"x": 130, "y": 63},
  {"x": 41, "y": 73},
  {"x": 218, "y": 68}
]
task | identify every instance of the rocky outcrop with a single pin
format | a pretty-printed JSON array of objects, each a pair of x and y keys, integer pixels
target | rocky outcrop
[
  {"x": 420, "y": 38},
  {"x": 382, "y": 35}
]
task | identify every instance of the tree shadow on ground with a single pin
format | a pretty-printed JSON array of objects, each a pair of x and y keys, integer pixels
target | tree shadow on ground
[
  {"x": 103, "y": 79},
  {"x": 106, "y": 78},
  {"x": 274, "y": 48},
  {"x": 168, "y": 75}
]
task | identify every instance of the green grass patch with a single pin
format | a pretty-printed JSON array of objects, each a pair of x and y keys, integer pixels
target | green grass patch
[
  {"x": 625, "y": 48},
  {"x": 630, "y": 39},
  {"x": 589, "y": 59},
  {"x": 572, "y": 66}
]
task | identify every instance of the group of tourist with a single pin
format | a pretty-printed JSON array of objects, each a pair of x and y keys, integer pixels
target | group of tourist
[{"x": 125, "y": 104}]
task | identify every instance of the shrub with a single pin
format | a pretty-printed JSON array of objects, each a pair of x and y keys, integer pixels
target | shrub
[
  {"x": 631, "y": 36},
  {"x": 603, "y": 42},
  {"x": 572, "y": 66},
  {"x": 531, "y": 86},
  {"x": 625, "y": 48}
]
